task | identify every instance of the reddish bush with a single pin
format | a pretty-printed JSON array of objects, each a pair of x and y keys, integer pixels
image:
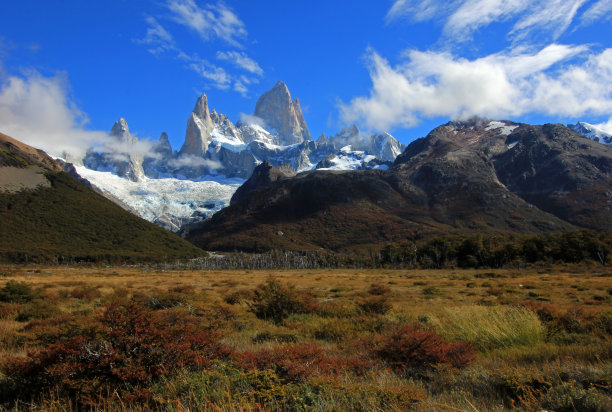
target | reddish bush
[
  {"x": 135, "y": 346},
  {"x": 413, "y": 349},
  {"x": 292, "y": 362}
]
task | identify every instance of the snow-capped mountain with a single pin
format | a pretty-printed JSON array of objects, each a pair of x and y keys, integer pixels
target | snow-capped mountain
[
  {"x": 349, "y": 159},
  {"x": 173, "y": 188},
  {"x": 593, "y": 132}
]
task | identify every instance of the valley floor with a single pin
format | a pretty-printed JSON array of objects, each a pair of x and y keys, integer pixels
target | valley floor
[{"x": 124, "y": 338}]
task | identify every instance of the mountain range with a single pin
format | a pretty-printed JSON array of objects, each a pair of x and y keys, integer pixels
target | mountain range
[
  {"x": 475, "y": 176},
  {"x": 173, "y": 188}
]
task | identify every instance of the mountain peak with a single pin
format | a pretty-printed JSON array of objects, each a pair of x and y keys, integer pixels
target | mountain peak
[
  {"x": 120, "y": 129},
  {"x": 201, "y": 107},
  {"x": 282, "y": 114},
  {"x": 199, "y": 129}
]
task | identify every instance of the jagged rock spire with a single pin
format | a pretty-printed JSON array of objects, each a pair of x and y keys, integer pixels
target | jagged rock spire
[
  {"x": 282, "y": 114},
  {"x": 199, "y": 129}
]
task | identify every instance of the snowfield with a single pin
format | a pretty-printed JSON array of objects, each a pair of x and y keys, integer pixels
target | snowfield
[{"x": 159, "y": 199}]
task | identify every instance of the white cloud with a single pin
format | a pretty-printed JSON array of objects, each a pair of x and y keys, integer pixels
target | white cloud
[
  {"x": 535, "y": 20},
  {"x": 217, "y": 75},
  {"x": 553, "y": 16},
  {"x": 240, "y": 59},
  {"x": 605, "y": 127},
  {"x": 214, "y": 20},
  {"x": 37, "y": 110},
  {"x": 157, "y": 38},
  {"x": 421, "y": 10},
  {"x": 193, "y": 161},
  {"x": 250, "y": 119},
  {"x": 431, "y": 84},
  {"x": 599, "y": 11}
]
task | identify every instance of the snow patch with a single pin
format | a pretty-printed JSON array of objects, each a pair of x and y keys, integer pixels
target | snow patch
[{"x": 505, "y": 129}]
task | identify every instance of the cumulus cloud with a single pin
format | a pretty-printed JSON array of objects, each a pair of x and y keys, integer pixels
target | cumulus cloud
[
  {"x": 535, "y": 20},
  {"x": 241, "y": 60},
  {"x": 430, "y": 84},
  {"x": 38, "y": 111},
  {"x": 213, "y": 20}
]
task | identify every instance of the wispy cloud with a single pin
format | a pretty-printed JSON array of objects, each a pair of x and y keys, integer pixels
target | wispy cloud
[
  {"x": 157, "y": 38},
  {"x": 241, "y": 60},
  {"x": 431, "y": 84},
  {"x": 212, "y": 20},
  {"x": 601, "y": 10},
  {"x": 535, "y": 20}
]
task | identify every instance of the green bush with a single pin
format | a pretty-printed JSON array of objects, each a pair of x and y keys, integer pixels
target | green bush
[
  {"x": 17, "y": 292},
  {"x": 37, "y": 309},
  {"x": 275, "y": 301},
  {"x": 570, "y": 397}
]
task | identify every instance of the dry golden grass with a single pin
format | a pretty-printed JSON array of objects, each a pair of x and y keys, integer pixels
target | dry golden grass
[{"x": 494, "y": 309}]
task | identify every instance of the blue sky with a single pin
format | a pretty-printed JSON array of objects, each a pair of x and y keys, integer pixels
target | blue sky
[{"x": 67, "y": 73}]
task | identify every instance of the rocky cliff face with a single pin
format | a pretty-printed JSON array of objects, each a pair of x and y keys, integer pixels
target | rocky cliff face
[{"x": 283, "y": 115}]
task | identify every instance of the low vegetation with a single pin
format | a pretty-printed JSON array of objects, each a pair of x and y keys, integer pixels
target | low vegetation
[
  {"x": 69, "y": 223},
  {"x": 119, "y": 338}
]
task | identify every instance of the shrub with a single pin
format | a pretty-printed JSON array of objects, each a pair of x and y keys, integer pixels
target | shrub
[
  {"x": 136, "y": 346},
  {"x": 413, "y": 350},
  {"x": 378, "y": 290},
  {"x": 275, "y": 301},
  {"x": 37, "y": 309},
  {"x": 85, "y": 293},
  {"x": 570, "y": 397},
  {"x": 267, "y": 336},
  {"x": 17, "y": 292},
  {"x": 238, "y": 296},
  {"x": 375, "y": 304},
  {"x": 293, "y": 363}
]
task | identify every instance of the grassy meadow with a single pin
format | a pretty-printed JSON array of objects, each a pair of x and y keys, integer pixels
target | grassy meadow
[{"x": 136, "y": 338}]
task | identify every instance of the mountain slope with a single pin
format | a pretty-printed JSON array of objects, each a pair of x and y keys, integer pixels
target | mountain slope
[
  {"x": 464, "y": 177},
  {"x": 64, "y": 220}
]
